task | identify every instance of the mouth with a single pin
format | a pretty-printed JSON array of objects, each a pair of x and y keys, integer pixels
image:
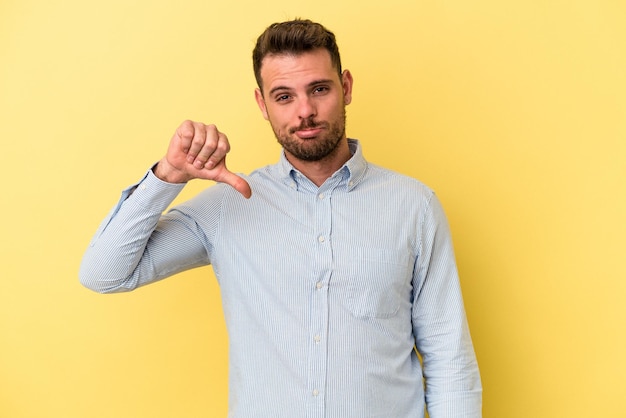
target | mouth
[
  {"x": 309, "y": 129},
  {"x": 308, "y": 133}
]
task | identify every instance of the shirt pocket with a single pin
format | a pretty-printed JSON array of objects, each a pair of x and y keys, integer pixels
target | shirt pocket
[{"x": 378, "y": 282}]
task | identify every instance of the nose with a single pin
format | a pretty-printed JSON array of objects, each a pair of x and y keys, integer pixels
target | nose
[{"x": 306, "y": 108}]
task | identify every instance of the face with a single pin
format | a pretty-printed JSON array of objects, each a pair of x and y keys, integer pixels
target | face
[{"x": 304, "y": 100}]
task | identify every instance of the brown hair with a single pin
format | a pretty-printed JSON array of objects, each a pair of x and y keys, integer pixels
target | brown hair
[{"x": 293, "y": 37}]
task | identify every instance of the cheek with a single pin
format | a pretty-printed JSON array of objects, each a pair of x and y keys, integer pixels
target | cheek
[
  {"x": 334, "y": 113},
  {"x": 334, "y": 107},
  {"x": 278, "y": 117},
  {"x": 277, "y": 125}
]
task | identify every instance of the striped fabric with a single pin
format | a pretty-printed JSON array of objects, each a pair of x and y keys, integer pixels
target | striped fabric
[{"x": 326, "y": 291}]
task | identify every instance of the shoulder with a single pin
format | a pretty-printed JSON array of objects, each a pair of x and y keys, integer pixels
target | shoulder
[{"x": 393, "y": 182}]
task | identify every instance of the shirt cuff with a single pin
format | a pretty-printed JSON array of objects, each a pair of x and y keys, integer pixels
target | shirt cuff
[{"x": 152, "y": 193}]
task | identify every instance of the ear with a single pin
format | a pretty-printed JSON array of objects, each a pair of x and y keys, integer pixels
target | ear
[
  {"x": 261, "y": 102},
  {"x": 346, "y": 83}
]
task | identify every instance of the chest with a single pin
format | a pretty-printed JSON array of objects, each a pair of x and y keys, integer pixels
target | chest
[{"x": 361, "y": 249}]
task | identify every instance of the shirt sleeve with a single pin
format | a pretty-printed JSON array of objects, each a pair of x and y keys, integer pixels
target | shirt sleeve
[
  {"x": 136, "y": 245},
  {"x": 442, "y": 337}
]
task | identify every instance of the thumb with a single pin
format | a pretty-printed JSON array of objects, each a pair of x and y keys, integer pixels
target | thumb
[{"x": 237, "y": 182}]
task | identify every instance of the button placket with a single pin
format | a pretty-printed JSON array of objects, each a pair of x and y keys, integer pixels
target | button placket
[{"x": 318, "y": 349}]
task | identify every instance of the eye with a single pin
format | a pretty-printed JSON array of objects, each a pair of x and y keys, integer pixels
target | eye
[
  {"x": 282, "y": 98},
  {"x": 320, "y": 90}
]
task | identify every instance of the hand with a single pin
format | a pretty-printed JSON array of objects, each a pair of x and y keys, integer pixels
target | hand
[{"x": 199, "y": 151}]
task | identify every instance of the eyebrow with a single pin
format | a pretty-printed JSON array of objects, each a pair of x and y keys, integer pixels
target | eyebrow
[{"x": 311, "y": 84}]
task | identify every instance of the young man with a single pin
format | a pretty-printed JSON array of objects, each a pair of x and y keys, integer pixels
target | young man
[{"x": 332, "y": 270}]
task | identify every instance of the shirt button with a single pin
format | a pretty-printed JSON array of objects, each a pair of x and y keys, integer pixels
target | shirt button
[
  {"x": 319, "y": 285},
  {"x": 142, "y": 187},
  {"x": 320, "y": 196},
  {"x": 317, "y": 339},
  {"x": 321, "y": 238},
  {"x": 316, "y": 392}
]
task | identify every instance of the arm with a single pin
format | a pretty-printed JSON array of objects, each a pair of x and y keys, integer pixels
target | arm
[
  {"x": 135, "y": 245},
  {"x": 453, "y": 386},
  {"x": 120, "y": 257}
]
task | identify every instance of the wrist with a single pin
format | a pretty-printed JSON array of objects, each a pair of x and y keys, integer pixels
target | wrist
[{"x": 165, "y": 172}]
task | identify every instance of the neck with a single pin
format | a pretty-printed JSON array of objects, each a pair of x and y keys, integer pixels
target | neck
[{"x": 319, "y": 171}]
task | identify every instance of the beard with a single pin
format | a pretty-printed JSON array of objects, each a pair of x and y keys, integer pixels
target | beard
[{"x": 313, "y": 149}]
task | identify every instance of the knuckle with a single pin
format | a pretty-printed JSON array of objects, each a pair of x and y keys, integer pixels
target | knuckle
[
  {"x": 187, "y": 124},
  {"x": 223, "y": 147},
  {"x": 224, "y": 144},
  {"x": 185, "y": 130},
  {"x": 198, "y": 127}
]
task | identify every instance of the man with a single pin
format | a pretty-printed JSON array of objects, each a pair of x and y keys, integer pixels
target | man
[{"x": 332, "y": 270}]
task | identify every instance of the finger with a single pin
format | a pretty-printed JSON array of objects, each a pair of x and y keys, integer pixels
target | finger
[
  {"x": 198, "y": 141},
  {"x": 208, "y": 148},
  {"x": 219, "y": 152},
  {"x": 238, "y": 183},
  {"x": 211, "y": 139},
  {"x": 185, "y": 134}
]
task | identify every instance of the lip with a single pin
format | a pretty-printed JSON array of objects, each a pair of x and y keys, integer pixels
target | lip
[{"x": 309, "y": 133}]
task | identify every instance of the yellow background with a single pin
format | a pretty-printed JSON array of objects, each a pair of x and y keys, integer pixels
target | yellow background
[{"x": 513, "y": 111}]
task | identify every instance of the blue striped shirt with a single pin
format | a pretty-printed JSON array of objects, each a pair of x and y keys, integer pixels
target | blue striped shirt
[{"x": 327, "y": 291}]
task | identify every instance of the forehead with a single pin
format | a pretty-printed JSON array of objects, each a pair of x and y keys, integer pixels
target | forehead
[{"x": 293, "y": 71}]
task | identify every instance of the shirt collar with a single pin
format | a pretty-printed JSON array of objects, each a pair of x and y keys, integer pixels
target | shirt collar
[{"x": 352, "y": 171}]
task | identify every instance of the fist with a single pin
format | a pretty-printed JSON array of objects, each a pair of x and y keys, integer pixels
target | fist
[{"x": 199, "y": 151}]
